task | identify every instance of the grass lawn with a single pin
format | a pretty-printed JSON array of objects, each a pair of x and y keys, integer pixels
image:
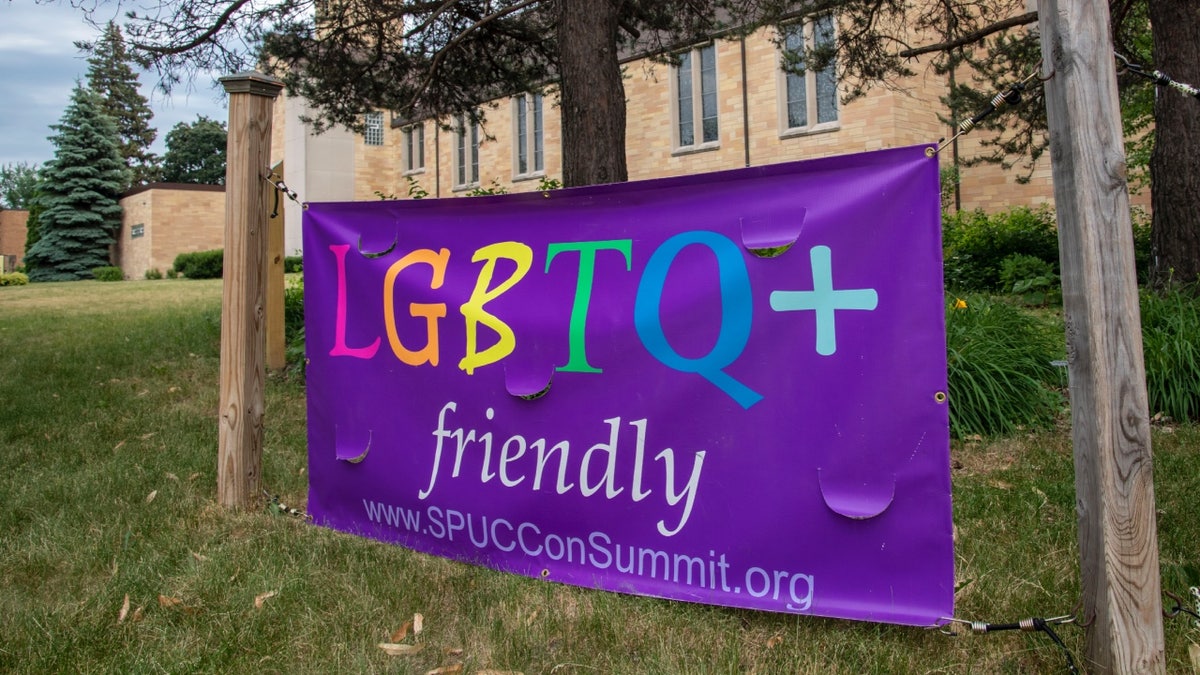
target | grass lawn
[{"x": 108, "y": 442}]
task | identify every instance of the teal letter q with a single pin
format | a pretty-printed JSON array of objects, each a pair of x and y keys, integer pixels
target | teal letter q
[{"x": 736, "y": 312}]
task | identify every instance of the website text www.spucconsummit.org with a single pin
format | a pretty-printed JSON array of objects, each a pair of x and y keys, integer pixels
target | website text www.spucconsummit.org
[{"x": 598, "y": 551}]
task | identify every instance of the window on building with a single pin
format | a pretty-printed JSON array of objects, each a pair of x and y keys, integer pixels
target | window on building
[
  {"x": 373, "y": 131},
  {"x": 527, "y": 118},
  {"x": 466, "y": 152},
  {"x": 414, "y": 148},
  {"x": 811, "y": 100},
  {"x": 696, "y": 98}
]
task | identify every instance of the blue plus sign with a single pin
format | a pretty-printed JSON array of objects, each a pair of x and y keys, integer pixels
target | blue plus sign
[{"x": 823, "y": 300}]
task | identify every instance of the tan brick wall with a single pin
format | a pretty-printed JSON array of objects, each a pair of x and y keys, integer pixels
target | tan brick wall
[
  {"x": 884, "y": 118},
  {"x": 12, "y": 238},
  {"x": 175, "y": 220}
]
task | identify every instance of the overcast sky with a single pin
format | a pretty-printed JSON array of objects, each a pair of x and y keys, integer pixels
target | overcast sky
[{"x": 39, "y": 66}]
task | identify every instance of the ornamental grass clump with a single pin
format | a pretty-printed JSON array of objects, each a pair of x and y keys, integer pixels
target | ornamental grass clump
[
  {"x": 1171, "y": 345},
  {"x": 999, "y": 368}
]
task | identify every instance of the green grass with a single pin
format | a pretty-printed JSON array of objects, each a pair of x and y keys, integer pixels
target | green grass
[{"x": 108, "y": 394}]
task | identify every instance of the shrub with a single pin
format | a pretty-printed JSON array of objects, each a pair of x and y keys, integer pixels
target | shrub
[
  {"x": 293, "y": 264},
  {"x": 1033, "y": 279},
  {"x": 201, "y": 264},
  {"x": 974, "y": 244},
  {"x": 171, "y": 273},
  {"x": 108, "y": 274},
  {"x": 998, "y": 360},
  {"x": 293, "y": 324},
  {"x": 1171, "y": 346},
  {"x": 1143, "y": 257},
  {"x": 14, "y": 279},
  {"x": 153, "y": 273}
]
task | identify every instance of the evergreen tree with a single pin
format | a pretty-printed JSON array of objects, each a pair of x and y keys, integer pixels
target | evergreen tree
[
  {"x": 78, "y": 194},
  {"x": 32, "y": 229},
  {"x": 112, "y": 77},
  {"x": 196, "y": 153}
]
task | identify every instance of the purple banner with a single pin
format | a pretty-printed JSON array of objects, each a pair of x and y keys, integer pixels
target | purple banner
[{"x": 630, "y": 387}]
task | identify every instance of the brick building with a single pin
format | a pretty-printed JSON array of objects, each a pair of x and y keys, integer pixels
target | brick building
[
  {"x": 728, "y": 104},
  {"x": 161, "y": 220},
  {"x": 12, "y": 238}
]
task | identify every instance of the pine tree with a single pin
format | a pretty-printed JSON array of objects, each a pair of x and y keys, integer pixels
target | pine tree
[
  {"x": 112, "y": 77},
  {"x": 79, "y": 192}
]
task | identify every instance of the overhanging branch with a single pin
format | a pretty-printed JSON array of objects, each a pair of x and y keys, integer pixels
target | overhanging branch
[
  {"x": 973, "y": 36},
  {"x": 167, "y": 50}
]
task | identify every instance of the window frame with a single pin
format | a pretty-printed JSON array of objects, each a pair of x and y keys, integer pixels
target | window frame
[
  {"x": 696, "y": 79},
  {"x": 529, "y": 136},
  {"x": 410, "y": 166},
  {"x": 808, "y": 26},
  {"x": 466, "y": 173},
  {"x": 373, "y": 129}
]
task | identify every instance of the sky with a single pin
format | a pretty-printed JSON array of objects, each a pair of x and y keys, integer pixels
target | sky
[{"x": 39, "y": 66}]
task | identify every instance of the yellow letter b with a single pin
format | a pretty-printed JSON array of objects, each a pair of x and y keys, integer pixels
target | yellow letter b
[{"x": 472, "y": 310}]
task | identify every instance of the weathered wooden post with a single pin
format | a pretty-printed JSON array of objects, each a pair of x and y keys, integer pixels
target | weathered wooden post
[
  {"x": 247, "y": 195},
  {"x": 1118, "y": 544}
]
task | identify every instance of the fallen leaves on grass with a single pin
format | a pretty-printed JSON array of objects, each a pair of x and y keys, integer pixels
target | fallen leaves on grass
[
  {"x": 418, "y": 623},
  {"x": 124, "y": 610},
  {"x": 774, "y": 641},
  {"x": 262, "y": 598},
  {"x": 150, "y": 497},
  {"x": 402, "y": 632},
  {"x": 446, "y": 670},
  {"x": 393, "y": 649},
  {"x": 167, "y": 602}
]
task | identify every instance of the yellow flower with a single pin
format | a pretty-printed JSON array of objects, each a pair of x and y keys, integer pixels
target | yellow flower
[{"x": 959, "y": 303}]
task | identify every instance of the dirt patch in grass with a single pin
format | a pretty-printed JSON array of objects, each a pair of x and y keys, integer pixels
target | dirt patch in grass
[{"x": 984, "y": 457}]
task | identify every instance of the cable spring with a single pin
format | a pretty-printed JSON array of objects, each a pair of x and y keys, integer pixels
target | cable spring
[
  {"x": 1155, "y": 76},
  {"x": 1029, "y": 625},
  {"x": 277, "y": 181},
  {"x": 276, "y": 506},
  {"x": 1010, "y": 97}
]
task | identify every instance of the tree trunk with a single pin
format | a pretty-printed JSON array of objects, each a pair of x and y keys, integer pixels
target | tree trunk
[
  {"x": 593, "y": 96},
  {"x": 1175, "y": 163}
]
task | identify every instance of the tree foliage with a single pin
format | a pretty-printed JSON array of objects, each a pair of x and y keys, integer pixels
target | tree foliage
[
  {"x": 111, "y": 75},
  {"x": 18, "y": 185},
  {"x": 433, "y": 57},
  {"x": 195, "y": 153},
  {"x": 78, "y": 194}
]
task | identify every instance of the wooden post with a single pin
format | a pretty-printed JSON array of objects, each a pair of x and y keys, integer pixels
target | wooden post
[
  {"x": 247, "y": 206},
  {"x": 276, "y": 347},
  {"x": 1114, "y": 489}
]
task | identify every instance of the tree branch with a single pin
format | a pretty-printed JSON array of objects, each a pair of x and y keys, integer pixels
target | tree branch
[
  {"x": 974, "y": 36},
  {"x": 199, "y": 40},
  {"x": 441, "y": 53}
]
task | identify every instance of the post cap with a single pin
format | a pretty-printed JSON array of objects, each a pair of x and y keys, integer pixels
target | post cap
[{"x": 252, "y": 82}]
